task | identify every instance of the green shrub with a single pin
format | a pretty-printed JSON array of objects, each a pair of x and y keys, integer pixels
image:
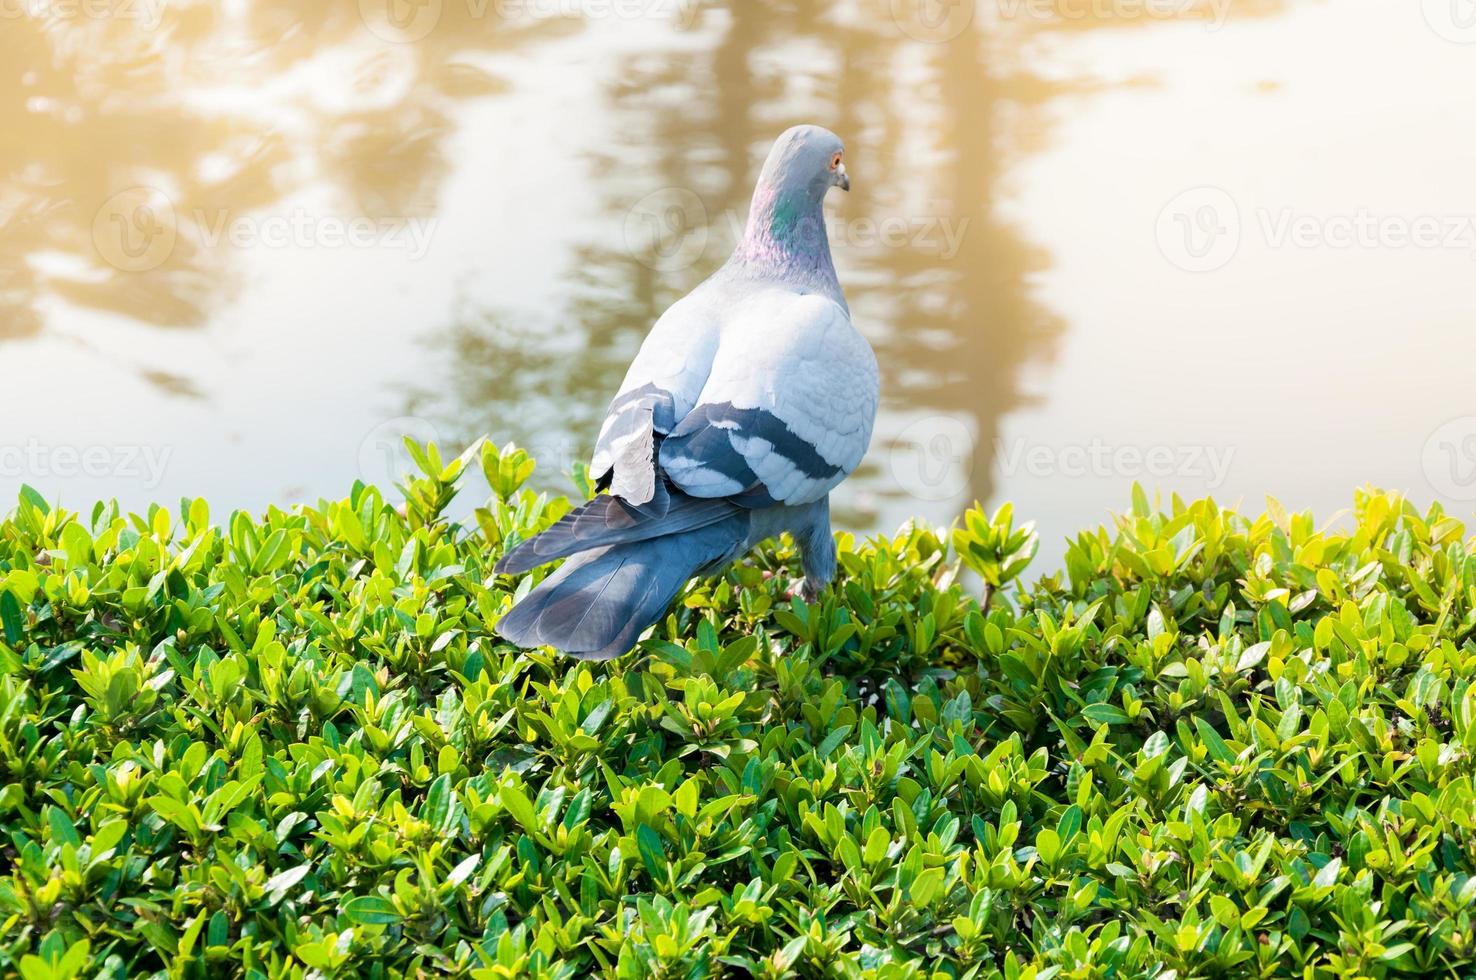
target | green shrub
[{"x": 1213, "y": 746}]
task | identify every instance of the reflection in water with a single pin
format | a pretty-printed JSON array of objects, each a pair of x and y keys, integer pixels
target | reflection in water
[
  {"x": 145, "y": 161},
  {"x": 939, "y": 281},
  {"x": 142, "y": 143}
]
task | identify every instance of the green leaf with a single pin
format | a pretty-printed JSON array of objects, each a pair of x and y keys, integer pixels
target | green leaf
[
  {"x": 463, "y": 870},
  {"x": 12, "y": 619},
  {"x": 1218, "y": 750},
  {"x": 1105, "y": 714},
  {"x": 439, "y": 800},
  {"x": 63, "y": 831},
  {"x": 653, "y": 856},
  {"x": 371, "y": 910},
  {"x": 1252, "y": 656},
  {"x": 516, "y": 802},
  {"x": 278, "y": 884},
  {"x": 363, "y": 684},
  {"x": 28, "y": 495},
  {"x": 927, "y": 887}
]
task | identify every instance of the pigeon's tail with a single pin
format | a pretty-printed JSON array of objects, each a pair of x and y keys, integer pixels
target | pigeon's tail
[
  {"x": 598, "y": 602},
  {"x": 609, "y": 519}
]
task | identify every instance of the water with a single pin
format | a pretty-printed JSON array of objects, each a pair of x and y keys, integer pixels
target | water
[{"x": 1220, "y": 247}]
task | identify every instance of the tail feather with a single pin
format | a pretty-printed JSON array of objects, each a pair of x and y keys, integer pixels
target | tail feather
[
  {"x": 597, "y": 604},
  {"x": 609, "y": 520}
]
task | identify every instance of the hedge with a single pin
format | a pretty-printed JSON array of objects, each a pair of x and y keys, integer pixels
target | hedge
[{"x": 1211, "y": 745}]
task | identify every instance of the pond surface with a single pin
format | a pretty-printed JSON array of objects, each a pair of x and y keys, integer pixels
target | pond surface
[{"x": 1220, "y": 247}]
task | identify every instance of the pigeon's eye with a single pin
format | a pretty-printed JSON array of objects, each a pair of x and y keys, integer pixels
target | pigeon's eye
[{"x": 835, "y": 161}]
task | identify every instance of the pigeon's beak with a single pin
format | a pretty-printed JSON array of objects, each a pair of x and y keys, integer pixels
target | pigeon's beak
[{"x": 842, "y": 179}]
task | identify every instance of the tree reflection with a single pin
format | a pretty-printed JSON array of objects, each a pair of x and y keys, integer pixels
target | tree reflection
[
  {"x": 932, "y": 132},
  {"x": 135, "y": 130},
  {"x": 126, "y": 138}
]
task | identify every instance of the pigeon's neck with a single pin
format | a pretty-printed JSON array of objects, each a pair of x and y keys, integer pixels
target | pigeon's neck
[{"x": 785, "y": 238}]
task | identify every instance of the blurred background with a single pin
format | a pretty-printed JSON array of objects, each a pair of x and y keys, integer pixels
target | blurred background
[{"x": 1214, "y": 246}]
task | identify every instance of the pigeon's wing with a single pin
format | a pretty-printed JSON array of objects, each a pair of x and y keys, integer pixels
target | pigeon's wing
[
  {"x": 662, "y": 385},
  {"x": 787, "y": 407}
]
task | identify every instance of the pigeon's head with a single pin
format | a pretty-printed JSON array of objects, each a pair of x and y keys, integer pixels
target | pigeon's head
[
  {"x": 786, "y": 223},
  {"x": 806, "y": 161}
]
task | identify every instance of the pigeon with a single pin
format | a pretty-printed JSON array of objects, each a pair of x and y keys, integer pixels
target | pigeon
[{"x": 752, "y": 397}]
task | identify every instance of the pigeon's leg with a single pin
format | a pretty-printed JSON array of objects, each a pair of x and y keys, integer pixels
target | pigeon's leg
[{"x": 817, "y": 551}]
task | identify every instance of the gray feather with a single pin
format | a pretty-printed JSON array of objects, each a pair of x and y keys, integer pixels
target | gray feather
[
  {"x": 626, "y": 453},
  {"x": 705, "y": 444},
  {"x": 634, "y": 476},
  {"x": 597, "y": 604},
  {"x": 608, "y": 520}
]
